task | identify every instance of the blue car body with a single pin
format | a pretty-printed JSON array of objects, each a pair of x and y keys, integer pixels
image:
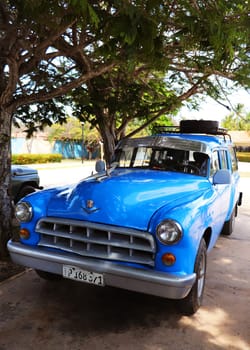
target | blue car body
[{"x": 110, "y": 224}]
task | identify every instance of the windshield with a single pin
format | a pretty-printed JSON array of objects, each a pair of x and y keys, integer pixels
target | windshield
[{"x": 163, "y": 159}]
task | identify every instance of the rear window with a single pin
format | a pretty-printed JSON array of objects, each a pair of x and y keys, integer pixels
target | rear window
[
  {"x": 234, "y": 161},
  {"x": 214, "y": 164},
  {"x": 223, "y": 159}
]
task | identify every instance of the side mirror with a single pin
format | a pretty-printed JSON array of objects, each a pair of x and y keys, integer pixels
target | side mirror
[
  {"x": 222, "y": 177},
  {"x": 100, "y": 166}
]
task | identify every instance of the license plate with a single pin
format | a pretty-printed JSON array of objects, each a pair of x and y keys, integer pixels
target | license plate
[{"x": 77, "y": 274}]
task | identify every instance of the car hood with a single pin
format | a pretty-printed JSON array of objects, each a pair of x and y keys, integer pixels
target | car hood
[
  {"x": 20, "y": 170},
  {"x": 126, "y": 198}
]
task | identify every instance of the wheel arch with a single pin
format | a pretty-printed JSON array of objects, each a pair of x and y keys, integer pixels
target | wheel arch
[
  {"x": 31, "y": 184},
  {"x": 207, "y": 236}
]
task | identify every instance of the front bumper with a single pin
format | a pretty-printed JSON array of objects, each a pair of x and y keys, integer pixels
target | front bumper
[{"x": 145, "y": 281}]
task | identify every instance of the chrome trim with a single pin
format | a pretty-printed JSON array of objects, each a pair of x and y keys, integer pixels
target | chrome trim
[
  {"x": 116, "y": 275},
  {"x": 97, "y": 240},
  {"x": 165, "y": 141}
]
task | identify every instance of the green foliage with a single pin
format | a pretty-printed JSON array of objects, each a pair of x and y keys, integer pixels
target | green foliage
[
  {"x": 70, "y": 130},
  {"x": 74, "y": 130},
  {"x": 123, "y": 102},
  {"x": 36, "y": 158},
  {"x": 238, "y": 120},
  {"x": 129, "y": 60}
]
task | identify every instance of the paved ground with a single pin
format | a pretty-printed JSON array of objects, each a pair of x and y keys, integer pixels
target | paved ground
[
  {"x": 68, "y": 315},
  {"x": 66, "y": 172}
]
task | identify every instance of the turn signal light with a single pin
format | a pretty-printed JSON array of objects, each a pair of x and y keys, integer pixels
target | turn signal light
[
  {"x": 168, "y": 259},
  {"x": 24, "y": 233}
]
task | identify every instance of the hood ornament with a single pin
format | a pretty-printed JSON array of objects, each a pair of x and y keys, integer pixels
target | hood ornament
[{"x": 89, "y": 206}]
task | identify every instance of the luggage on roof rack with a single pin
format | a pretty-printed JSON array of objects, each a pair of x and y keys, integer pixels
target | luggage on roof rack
[{"x": 200, "y": 127}]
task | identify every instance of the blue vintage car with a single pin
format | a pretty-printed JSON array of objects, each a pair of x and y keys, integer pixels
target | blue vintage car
[{"x": 145, "y": 224}]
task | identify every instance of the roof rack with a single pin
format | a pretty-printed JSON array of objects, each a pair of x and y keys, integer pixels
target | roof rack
[{"x": 208, "y": 127}]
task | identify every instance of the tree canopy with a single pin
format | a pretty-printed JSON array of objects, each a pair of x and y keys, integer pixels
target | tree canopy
[
  {"x": 51, "y": 48},
  {"x": 150, "y": 56}
]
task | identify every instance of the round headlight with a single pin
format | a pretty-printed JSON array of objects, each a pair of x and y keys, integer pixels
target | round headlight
[
  {"x": 23, "y": 212},
  {"x": 169, "y": 232}
]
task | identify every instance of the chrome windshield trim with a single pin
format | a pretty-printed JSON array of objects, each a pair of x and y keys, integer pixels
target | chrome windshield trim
[{"x": 165, "y": 141}]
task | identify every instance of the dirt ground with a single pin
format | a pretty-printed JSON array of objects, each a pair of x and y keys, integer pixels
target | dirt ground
[
  {"x": 69, "y": 315},
  {"x": 8, "y": 269}
]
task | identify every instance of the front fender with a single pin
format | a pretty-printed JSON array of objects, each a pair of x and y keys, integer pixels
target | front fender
[
  {"x": 39, "y": 202},
  {"x": 194, "y": 217}
]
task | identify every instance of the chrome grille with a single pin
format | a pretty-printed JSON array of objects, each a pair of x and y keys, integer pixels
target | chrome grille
[{"x": 97, "y": 240}]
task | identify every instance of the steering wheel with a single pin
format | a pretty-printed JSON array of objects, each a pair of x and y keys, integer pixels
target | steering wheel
[{"x": 193, "y": 168}]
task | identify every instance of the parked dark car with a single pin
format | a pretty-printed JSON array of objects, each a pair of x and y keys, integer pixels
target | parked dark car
[{"x": 24, "y": 180}]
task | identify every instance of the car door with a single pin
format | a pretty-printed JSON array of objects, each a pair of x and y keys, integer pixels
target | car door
[
  {"x": 233, "y": 167},
  {"x": 221, "y": 193}
]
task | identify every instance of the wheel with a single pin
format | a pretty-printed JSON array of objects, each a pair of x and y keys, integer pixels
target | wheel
[
  {"x": 25, "y": 190},
  {"x": 48, "y": 275},
  {"x": 191, "y": 303},
  {"x": 228, "y": 227}
]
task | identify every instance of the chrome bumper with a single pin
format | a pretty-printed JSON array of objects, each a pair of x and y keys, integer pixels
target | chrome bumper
[{"x": 140, "y": 280}]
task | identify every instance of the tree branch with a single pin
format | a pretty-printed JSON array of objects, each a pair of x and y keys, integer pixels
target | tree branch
[
  {"x": 193, "y": 90},
  {"x": 43, "y": 96},
  {"x": 41, "y": 48}
]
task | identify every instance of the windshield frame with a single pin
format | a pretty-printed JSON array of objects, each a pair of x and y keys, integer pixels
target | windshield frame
[{"x": 142, "y": 152}]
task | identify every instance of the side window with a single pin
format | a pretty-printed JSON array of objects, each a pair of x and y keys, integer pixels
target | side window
[
  {"x": 214, "y": 165},
  {"x": 223, "y": 159},
  {"x": 124, "y": 156},
  {"x": 142, "y": 157},
  {"x": 233, "y": 159}
]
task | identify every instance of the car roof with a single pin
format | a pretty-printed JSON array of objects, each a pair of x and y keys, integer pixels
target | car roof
[
  {"x": 193, "y": 135},
  {"x": 212, "y": 141},
  {"x": 192, "y": 142}
]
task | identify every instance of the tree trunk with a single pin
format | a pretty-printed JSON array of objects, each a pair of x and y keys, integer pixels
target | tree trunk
[
  {"x": 5, "y": 181},
  {"x": 109, "y": 141}
]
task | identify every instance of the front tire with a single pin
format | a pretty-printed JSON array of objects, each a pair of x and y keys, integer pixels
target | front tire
[{"x": 191, "y": 303}]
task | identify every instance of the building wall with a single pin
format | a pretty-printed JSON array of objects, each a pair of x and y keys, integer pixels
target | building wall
[
  {"x": 69, "y": 150},
  {"x": 33, "y": 145}
]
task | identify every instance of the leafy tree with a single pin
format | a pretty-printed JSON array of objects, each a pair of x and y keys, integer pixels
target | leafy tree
[
  {"x": 70, "y": 130},
  {"x": 197, "y": 44},
  {"x": 50, "y": 48},
  {"x": 237, "y": 120},
  {"x": 118, "y": 100}
]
